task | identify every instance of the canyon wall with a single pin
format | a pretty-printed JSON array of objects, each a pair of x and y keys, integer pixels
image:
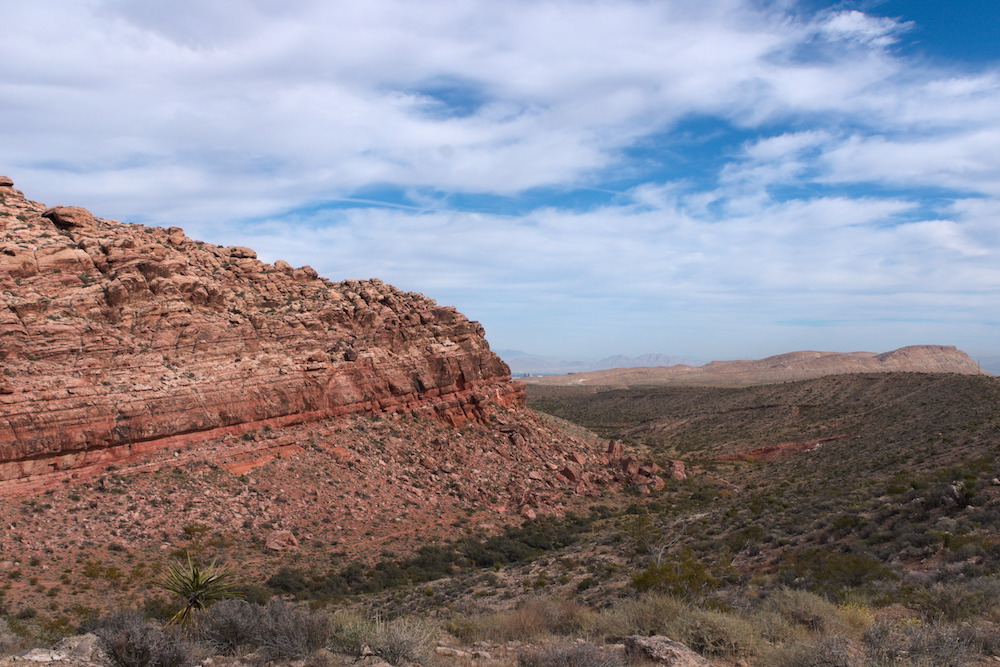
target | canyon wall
[{"x": 119, "y": 336}]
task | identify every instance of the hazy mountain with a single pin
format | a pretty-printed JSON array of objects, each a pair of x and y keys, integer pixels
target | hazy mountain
[{"x": 525, "y": 363}]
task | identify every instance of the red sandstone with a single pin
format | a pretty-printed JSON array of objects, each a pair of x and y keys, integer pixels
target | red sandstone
[{"x": 118, "y": 338}]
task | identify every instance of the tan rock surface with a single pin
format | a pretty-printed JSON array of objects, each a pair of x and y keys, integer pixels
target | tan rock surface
[{"x": 117, "y": 337}]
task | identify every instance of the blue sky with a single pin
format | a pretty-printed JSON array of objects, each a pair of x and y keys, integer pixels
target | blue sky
[{"x": 716, "y": 180}]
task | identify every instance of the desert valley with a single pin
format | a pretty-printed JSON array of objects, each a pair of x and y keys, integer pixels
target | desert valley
[{"x": 377, "y": 489}]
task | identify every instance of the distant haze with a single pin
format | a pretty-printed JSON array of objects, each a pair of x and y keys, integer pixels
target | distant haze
[
  {"x": 792, "y": 366},
  {"x": 522, "y": 363}
]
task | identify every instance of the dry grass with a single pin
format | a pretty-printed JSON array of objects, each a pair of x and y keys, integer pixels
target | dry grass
[
  {"x": 534, "y": 618},
  {"x": 402, "y": 640},
  {"x": 568, "y": 655},
  {"x": 805, "y": 609}
]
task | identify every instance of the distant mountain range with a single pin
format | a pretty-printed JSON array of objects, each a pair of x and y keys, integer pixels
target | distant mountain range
[
  {"x": 523, "y": 364},
  {"x": 781, "y": 368}
]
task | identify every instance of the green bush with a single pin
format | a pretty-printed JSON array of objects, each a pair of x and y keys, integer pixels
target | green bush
[
  {"x": 349, "y": 632},
  {"x": 651, "y": 614},
  {"x": 197, "y": 585},
  {"x": 287, "y": 581},
  {"x": 682, "y": 575},
  {"x": 831, "y": 573},
  {"x": 714, "y": 633},
  {"x": 805, "y": 609}
]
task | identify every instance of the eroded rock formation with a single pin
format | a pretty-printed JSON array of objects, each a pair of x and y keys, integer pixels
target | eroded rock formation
[{"x": 116, "y": 336}]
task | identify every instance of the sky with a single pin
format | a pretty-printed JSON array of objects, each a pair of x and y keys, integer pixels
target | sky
[{"x": 717, "y": 179}]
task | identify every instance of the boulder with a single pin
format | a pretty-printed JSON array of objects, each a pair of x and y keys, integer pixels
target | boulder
[
  {"x": 72, "y": 218},
  {"x": 572, "y": 473},
  {"x": 281, "y": 540},
  {"x": 616, "y": 450},
  {"x": 662, "y": 650}
]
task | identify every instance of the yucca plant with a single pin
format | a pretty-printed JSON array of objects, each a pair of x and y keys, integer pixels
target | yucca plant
[{"x": 198, "y": 585}]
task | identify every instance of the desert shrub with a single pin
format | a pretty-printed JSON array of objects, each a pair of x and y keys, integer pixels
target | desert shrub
[
  {"x": 960, "y": 601},
  {"x": 403, "y": 640},
  {"x": 682, "y": 575},
  {"x": 538, "y": 617},
  {"x": 469, "y": 628},
  {"x": 128, "y": 640},
  {"x": 775, "y": 628},
  {"x": 823, "y": 652},
  {"x": 714, "y": 633},
  {"x": 252, "y": 593},
  {"x": 277, "y": 631},
  {"x": 922, "y": 644},
  {"x": 198, "y": 585},
  {"x": 286, "y": 633},
  {"x": 857, "y": 616},
  {"x": 349, "y": 632},
  {"x": 650, "y": 614},
  {"x": 831, "y": 573},
  {"x": 567, "y": 655},
  {"x": 805, "y": 609},
  {"x": 230, "y": 627},
  {"x": 9, "y": 642},
  {"x": 287, "y": 581}
]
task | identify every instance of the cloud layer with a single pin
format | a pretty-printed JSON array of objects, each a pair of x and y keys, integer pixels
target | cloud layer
[{"x": 723, "y": 178}]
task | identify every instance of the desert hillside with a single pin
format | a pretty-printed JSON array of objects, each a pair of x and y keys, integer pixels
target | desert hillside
[
  {"x": 781, "y": 368},
  {"x": 163, "y": 396}
]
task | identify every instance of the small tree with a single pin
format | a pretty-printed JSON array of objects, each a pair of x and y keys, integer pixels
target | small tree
[{"x": 198, "y": 585}]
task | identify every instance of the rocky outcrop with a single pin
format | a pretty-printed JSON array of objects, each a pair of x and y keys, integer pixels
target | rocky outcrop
[
  {"x": 662, "y": 650},
  {"x": 119, "y": 336}
]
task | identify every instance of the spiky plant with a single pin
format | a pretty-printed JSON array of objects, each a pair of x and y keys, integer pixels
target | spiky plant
[{"x": 198, "y": 585}]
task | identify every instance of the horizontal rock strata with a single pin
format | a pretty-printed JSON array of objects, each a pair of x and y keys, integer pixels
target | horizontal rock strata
[{"x": 117, "y": 336}]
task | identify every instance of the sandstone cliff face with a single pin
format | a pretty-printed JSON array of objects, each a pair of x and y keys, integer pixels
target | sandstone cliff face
[{"x": 120, "y": 336}]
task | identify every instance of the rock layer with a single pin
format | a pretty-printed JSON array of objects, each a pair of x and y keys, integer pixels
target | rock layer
[{"x": 116, "y": 335}]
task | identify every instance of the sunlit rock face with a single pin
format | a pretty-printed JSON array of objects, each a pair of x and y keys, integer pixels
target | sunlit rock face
[{"x": 118, "y": 336}]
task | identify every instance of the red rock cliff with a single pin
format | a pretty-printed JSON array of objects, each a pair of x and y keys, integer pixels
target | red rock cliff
[{"x": 115, "y": 334}]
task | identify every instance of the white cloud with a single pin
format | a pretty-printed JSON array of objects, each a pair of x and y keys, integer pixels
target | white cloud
[
  {"x": 858, "y": 26},
  {"x": 232, "y": 119},
  {"x": 327, "y": 96}
]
